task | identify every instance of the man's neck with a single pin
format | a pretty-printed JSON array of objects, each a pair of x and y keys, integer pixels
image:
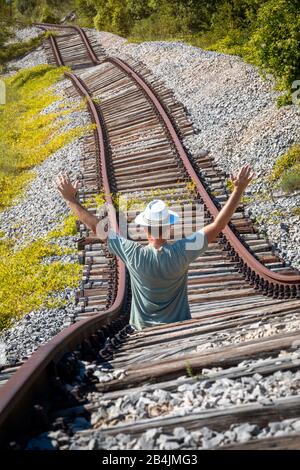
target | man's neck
[{"x": 156, "y": 242}]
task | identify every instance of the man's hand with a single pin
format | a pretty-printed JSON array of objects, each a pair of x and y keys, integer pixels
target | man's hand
[
  {"x": 68, "y": 192},
  {"x": 240, "y": 181},
  {"x": 65, "y": 187},
  {"x": 243, "y": 178}
]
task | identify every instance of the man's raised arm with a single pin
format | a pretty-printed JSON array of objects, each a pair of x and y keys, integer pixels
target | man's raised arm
[
  {"x": 68, "y": 192},
  {"x": 240, "y": 182}
]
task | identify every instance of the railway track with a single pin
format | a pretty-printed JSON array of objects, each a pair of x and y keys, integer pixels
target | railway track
[{"x": 244, "y": 299}]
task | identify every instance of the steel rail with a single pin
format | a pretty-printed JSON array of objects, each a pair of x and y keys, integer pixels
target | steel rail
[
  {"x": 268, "y": 281},
  {"x": 241, "y": 250},
  {"x": 25, "y": 383},
  {"x": 79, "y": 30}
]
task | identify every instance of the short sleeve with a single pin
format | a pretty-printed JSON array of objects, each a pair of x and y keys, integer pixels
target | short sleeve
[
  {"x": 118, "y": 245},
  {"x": 194, "y": 245}
]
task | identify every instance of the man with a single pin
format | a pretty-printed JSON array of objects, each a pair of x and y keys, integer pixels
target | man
[{"x": 159, "y": 270}]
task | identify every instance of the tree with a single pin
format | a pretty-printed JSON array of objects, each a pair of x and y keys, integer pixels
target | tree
[
  {"x": 275, "y": 43},
  {"x": 26, "y": 7},
  {"x": 112, "y": 15}
]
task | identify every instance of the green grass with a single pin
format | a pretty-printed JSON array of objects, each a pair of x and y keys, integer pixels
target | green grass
[
  {"x": 18, "y": 49},
  {"x": 28, "y": 284},
  {"x": 286, "y": 170},
  {"x": 28, "y": 137},
  {"x": 67, "y": 228},
  {"x": 290, "y": 180},
  {"x": 286, "y": 162}
]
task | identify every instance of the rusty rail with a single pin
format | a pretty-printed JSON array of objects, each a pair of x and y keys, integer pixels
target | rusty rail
[
  {"x": 25, "y": 383},
  {"x": 264, "y": 279},
  {"x": 80, "y": 31}
]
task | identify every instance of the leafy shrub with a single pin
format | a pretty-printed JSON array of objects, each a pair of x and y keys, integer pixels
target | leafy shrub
[
  {"x": 86, "y": 12},
  {"x": 48, "y": 15},
  {"x": 275, "y": 43},
  {"x": 18, "y": 49},
  {"x": 162, "y": 24},
  {"x": 290, "y": 180},
  {"x": 296, "y": 211},
  {"x": 285, "y": 162},
  {"x": 26, "y": 6}
]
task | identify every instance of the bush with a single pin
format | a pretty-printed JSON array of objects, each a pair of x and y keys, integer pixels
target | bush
[
  {"x": 112, "y": 16},
  {"x": 285, "y": 162},
  {"x": 158, "y": 27},
  {"x": 290, "y": 181},
  {"x": 275, "y": 44},
  {"x": 18, "y": 49}
]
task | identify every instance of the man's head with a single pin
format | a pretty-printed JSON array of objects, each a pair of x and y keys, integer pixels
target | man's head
[
  {"x": 158, "y": 233},
  {"x": 157, "y": 220}
]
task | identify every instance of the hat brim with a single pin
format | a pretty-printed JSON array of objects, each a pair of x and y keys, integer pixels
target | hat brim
[{"x": 172, "y": 219}]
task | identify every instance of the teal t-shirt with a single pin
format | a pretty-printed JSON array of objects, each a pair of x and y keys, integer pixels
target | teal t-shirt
[{"x": 158, "y": 277}]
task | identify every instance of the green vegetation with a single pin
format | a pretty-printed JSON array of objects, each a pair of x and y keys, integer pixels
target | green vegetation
[
  {"x": 263, "y": 32},
  {"x": 48, "y": 11},
  {"x": 33, "y": 136},
  {"x": 28, "y": 280},
  {"x": 18, "y": 49},
  {"x": 28, "y": 136},
  {"x": 124, "y": 202},
  {"x": 286, "y": 162},
  {"x": 287, "y": 170},
  {"x": 272, "y": 218},
  {"x": 296, "y": 211},
  {"x": 290, "y": 181},
  {"x": 190, "y": 373},
  {"x": 229, "y": 186},
  {"x": 275, "y": 44},
  {"x": 68, "y": 228},
  {"x": 27, "y": 283}
]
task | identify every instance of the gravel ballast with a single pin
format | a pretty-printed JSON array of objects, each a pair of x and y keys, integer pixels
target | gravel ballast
[
  {"x": 190, "y": 396},
  {"x": 158, "y": 439},
  {"x": 237, "y": 120}
]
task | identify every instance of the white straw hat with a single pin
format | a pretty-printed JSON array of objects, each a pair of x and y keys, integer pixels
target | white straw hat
[{"x": 156, "y": 214}]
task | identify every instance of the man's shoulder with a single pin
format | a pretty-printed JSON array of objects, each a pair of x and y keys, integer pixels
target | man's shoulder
[
  {"x": 195, "y": 241},
  {"x": 114, "y": 237}
]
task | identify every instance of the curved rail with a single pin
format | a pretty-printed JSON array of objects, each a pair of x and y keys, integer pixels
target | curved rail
[
  {"x": 248, "y": 259},
  {"x": 268, "y": 281},
  {"x": 80, "y": 31},
  {"x": 24, "y": 383},
  {"x": 22, "y": 387}
]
